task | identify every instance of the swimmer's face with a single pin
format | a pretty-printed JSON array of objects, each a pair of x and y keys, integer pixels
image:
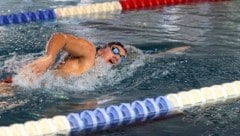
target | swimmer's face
[{"x": 113, "y": 54}]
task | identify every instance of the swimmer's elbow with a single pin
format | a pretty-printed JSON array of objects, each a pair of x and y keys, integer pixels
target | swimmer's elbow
[{"x": 58, "y": 36}]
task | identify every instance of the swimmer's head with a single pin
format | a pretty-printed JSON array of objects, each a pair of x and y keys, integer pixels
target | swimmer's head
[{"x": 113, "y": 52}]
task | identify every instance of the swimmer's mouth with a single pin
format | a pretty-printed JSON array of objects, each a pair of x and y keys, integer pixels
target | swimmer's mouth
[{"x": 111, "y": 62}]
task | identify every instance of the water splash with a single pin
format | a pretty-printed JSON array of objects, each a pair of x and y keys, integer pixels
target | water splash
[{"x": 102, "y": 74}]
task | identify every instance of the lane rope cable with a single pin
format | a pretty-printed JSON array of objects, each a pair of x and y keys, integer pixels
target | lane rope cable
[
  {"x": 82, "y": 10},
  {"x": 125, "y": 113}
]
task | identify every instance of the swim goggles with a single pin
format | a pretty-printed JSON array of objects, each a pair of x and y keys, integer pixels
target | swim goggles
[{"x": 116, "y": 51}]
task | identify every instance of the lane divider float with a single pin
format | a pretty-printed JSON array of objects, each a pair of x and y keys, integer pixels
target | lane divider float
[
  {"x": 126, "y": 113},
  {"x": 81, "y": 10}
]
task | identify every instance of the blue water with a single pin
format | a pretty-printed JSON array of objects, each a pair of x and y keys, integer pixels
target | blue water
[{"x": 211, "y": 29}]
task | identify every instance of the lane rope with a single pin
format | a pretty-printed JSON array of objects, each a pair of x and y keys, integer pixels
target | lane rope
[
  {"x": 125, "y": 113},
  {"x": 83, "y": 10}
]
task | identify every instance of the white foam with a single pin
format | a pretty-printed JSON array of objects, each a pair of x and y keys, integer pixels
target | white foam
[{"x": 102, "y": 74}]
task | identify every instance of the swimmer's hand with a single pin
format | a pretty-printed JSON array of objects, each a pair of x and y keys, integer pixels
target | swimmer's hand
[
  {"x": 32, "y": 71},
  {"x": 39, "y": 66}
]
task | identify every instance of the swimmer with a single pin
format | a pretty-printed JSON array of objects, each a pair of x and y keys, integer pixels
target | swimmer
[
  {"x": 81, "y": 55},
  {"x": 80, "y": 59}
]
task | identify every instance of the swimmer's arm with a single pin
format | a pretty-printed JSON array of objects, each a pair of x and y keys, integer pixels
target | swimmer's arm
[
  {"x": 55, "y": 45},
  {"x": 75, "y": 46},
  {"x": 177, "y": 50},
  {"x": 40, "y": 65},
  {"x": 78, "y": 48}
]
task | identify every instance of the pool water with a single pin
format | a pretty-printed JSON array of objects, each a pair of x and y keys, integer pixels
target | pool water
[{"x": 211, "y": 29}]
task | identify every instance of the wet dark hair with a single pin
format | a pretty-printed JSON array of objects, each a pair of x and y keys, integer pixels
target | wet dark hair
[{"x": 110, "y": 44}]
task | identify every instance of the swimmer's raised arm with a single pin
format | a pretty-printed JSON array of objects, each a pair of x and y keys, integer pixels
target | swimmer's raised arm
[
  {"x": 54, "y": 45},
  {"x": 176, "y": 50},
  {"x": 77, "y": 47},
  {"x": 81, "y": 56}
]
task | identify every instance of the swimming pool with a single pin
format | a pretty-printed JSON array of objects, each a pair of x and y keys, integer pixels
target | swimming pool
[{"x": 211, "y": 29}]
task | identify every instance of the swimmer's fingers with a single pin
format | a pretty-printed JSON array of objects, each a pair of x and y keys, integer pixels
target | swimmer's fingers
[
  {"x": 30, "y": 72},
  {"x": 31, "y": 68},
  {"x": 40, "y": 65},
  {"x": 36, "y": 69}
]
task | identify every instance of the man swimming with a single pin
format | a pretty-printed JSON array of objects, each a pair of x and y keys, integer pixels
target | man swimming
[{"x": 81, "y": 57}]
